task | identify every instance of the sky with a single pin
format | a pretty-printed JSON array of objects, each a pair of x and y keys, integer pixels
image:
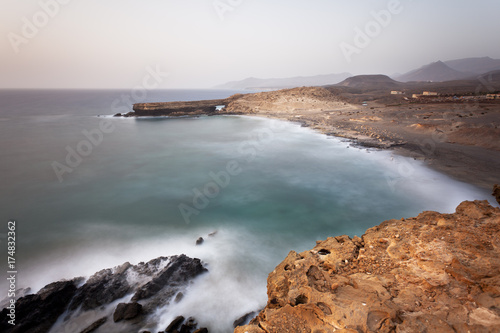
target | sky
[{"x": 91, "y": 44}]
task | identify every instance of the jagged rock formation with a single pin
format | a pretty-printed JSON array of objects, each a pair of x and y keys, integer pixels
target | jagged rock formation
[
  {"x": 143, "y": 288},
  {"x": 37, "y": 313},
  {"x": 433, "y": 273}
]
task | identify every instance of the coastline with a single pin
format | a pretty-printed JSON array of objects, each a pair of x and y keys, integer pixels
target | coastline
[
  {"x": 460, "y": 138},
  {"x": 474, "y": 165}
]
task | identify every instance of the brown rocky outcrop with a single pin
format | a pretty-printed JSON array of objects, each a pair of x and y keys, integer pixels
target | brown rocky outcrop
[
  {"x": 432, "y": 273},
  {"x": 287, "y": 102}
]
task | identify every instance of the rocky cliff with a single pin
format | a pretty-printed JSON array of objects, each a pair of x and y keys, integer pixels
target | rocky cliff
[
  {"x": 177, "y": 109},
  {"x": 432, "y": 273}
]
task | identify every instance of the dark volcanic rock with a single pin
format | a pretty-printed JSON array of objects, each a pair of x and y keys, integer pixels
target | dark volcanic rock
[
  {"x": 126, "y": 311},
  {"x": 155, "y": 283},
  {"x": 201, "y": 330},
  {"x": 102, "y": 288},
  {"x": 243, "y": 320},
  {"x": 189, "y": 325},
  {"x": 174, "y": 325},
  {"x": 180, "y": 270},
  {"x": 37, "y": 313},
  {"x": 200, "y": 241},
  {"x": 178, "y": 297},
  {"x": 95, "y": 325}
]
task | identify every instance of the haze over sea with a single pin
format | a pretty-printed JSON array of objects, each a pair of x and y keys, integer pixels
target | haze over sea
[{"x": 290, "y": 187}]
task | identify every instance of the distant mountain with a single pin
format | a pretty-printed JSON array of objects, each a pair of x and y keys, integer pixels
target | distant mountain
[
  {"x": 490, "y": 79},
  {"x": 299, "y": 81},
  {"x": 474, "y": 65},
  {"x": 436, "y": 72},
  {"x": 370, "y": 81}
]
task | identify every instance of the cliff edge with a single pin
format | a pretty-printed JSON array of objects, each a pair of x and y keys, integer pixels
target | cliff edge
[{"x": 432, "y": 273}]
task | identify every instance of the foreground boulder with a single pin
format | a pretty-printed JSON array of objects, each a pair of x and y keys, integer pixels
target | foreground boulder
[{"x": 433, "y": 273}]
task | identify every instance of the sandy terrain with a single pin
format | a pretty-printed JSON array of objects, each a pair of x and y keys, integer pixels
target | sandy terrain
[{"x": 460, "y": 138}]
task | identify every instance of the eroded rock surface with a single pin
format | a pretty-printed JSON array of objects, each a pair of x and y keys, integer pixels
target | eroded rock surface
[{"x": 435, "y": 273}]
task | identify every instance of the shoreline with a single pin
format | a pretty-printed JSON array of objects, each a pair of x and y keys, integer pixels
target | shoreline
[
  {"x": 461, "y": 140},
  {"x": 458, "y": 137},
  {"x": 459, "y": 162}
]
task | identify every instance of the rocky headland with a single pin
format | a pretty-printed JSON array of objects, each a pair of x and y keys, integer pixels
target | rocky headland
[{"x": 432, "y": 273}]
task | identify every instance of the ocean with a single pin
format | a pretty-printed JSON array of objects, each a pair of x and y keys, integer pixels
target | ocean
[{"x": 90, "y": 191}]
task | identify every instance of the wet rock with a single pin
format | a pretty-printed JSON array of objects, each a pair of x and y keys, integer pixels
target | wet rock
[
  {"x": 37, "y": 313},
  {"x": 178, "y": 297},
  {"x": 201, "y": 330},
  {"x": 155, "y": 283},
  {"x": 189, "y": 326},
  {"x": 95, "y": 325},
  {"x": 175, "y": 324},
  {"x": 435, "y": 273},
  {"x": 200, "y": 241},
  {"x": 179, "y": 270},
  {"x": 117, "y": 114},
  {"x": 127, "y": 311},
  {"x": 102, "y": 288},
  {"x": 244, "y": 319}
]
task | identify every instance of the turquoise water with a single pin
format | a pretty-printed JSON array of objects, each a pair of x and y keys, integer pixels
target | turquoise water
[{"x": 141, "y": 188}]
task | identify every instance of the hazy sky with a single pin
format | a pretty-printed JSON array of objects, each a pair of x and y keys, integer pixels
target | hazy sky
[{"x": 201, "y": 43}]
